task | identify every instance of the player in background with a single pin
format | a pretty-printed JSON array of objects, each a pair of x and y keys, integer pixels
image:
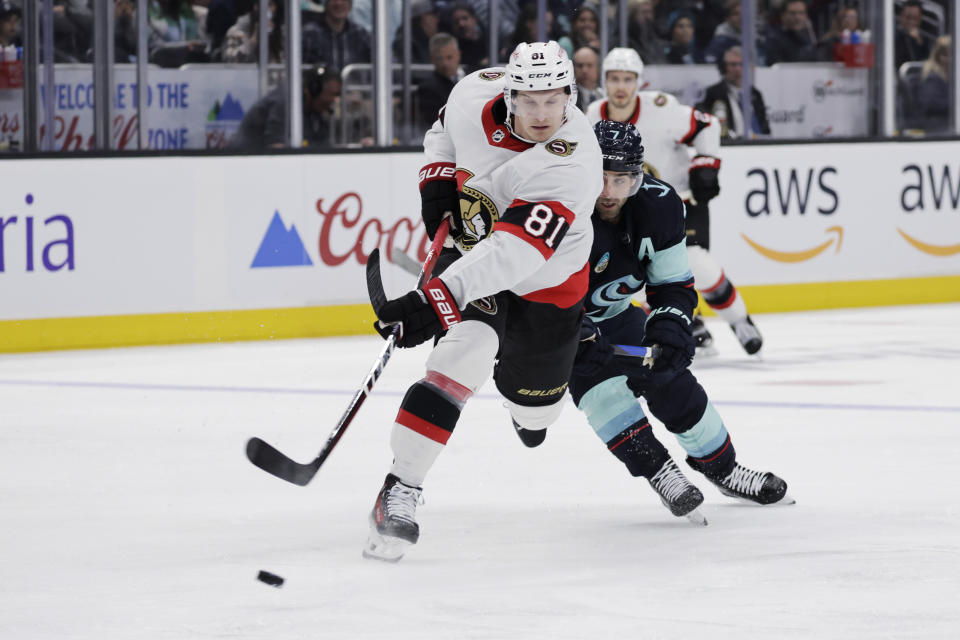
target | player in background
[
  {"x": 639, "y": 240},
  {"x": 519, "y": 168},
  {"x": 670, "y": 130}
]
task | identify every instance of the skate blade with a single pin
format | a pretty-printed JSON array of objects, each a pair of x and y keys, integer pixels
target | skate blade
[
  {"x": 785, "y": 501},
  {"x": 384, "y": 548},
  {"x": 697, "y": 518}
]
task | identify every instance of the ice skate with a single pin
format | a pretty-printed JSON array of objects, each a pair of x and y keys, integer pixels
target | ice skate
[
  {"x": 393, "y": 524},
  {"x": 677, "y": 494},
  {"x": 758, "y": 487},
  {"x": 530, "y": 437},
  {"x": 748, "y": 335},
  {"x": 702, "y": 337}
]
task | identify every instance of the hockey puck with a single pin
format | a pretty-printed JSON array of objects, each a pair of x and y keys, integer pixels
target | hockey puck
[{"x": 271, "y": 579}]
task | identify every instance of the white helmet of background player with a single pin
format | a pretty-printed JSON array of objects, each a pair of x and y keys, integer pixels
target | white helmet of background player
[
  {"x": 622, "y": 59},
  {"x": 538, "y": 66}
]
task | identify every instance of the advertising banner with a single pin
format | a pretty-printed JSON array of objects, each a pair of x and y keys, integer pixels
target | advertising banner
[
  {"x": 119, "y": 236},
  {"x": 194, "y": 108}
]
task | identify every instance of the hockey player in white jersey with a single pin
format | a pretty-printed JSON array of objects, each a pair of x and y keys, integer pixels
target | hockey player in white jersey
[
  {"x": 519, "y": 168},
  {"x": 670, "y": 131}
]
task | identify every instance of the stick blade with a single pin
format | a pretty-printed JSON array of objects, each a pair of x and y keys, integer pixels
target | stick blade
[
  {"x": 374, "y": 282},
  {"x": 269, "y": 459}
]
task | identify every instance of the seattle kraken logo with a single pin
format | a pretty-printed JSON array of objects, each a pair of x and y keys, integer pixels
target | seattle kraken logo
[{"x": 614, "y": 297}]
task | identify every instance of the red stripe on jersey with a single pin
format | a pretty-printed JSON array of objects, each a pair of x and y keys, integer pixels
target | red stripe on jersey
[
  {"x": 605, "y": 114},
  {"x": 566, "y": 294},
  {"x": 497, "y": 134},
  {"x": 421, "y": 426},
  {"x": 557, "y": 207},
  {"x": 698, "y": 122}
]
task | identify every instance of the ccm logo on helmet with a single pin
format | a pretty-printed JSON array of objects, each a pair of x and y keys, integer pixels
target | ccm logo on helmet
[{"x": 539, "y": 75}]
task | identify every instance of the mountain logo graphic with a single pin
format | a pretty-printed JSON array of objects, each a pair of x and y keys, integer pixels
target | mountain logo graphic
[
  {"x": 281, "y": 247},
  {"x": 223, "y": 120}
]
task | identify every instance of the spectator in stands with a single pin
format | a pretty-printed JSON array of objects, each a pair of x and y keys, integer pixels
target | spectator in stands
[
  {"x": 241, "y": 43},
  {"x": 846, "y": 19},
  {"x": 910, "y": 44},
  {"x": 586, "y": 70},
  {"x": 724, "y": 100},
  {"x": 526, "y": 29},
  {"x": 9, "y": 25},
  {"x": 432, "y": 93},
  {"x": 793, "y": 40},
  {"x": 175, "y": 38},
  {"x": 471, "y": 37},
  {"x": 336, "y": 40},
  {"x": 710, "y": 15},
  {"x": 264, "y": 125},
  {"x": 72, "y": 29},
  {"x": 934, "y": 94},
  {"x": 681, "y": 48},
  {"x": 223, "y": 14},
  {"x": 641, "y": 33},
  {"x": 423, "y": 26},
  {"x": 124, "y": 31},
  {"x": 585, "y": 31},
  {"x": 726, "y": 35}
]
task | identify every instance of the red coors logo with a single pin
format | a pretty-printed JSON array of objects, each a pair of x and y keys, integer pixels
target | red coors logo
[{"x": 345, "y": 233}]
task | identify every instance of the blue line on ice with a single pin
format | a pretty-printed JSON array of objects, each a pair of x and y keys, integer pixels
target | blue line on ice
[{"x": 133, "y": 386}]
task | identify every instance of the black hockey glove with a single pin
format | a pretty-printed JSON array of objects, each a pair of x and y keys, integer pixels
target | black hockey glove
[
  {"x": 704, "y": 178},
  {"x": 669, "y": 328},
  {"x": 594, "y": 352},
  {"x": 439, "y": 195},
  {"x": 422, "y": 314}
]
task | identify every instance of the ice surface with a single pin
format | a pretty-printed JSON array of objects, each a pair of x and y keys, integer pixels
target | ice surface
[{"x": 128, "y": 509}]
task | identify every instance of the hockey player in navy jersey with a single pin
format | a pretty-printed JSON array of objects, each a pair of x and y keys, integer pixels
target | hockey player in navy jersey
[
  {"x": 639, "y": 241},
  {"x": 672, "y": 133},
  {"x": 519, "y": 168}
]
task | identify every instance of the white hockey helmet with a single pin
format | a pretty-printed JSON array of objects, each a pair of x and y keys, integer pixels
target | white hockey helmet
[
  {"x": 538, "y": 66},
  {"x": 622, "y": 59}
]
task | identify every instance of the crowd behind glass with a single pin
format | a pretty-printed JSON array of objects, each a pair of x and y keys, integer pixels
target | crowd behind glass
[{"x": 451, "y": 37}]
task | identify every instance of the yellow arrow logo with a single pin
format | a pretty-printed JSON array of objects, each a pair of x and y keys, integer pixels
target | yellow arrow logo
[
  {"x": 796, "y": 256},
  {"x": 932, "y": 249}
]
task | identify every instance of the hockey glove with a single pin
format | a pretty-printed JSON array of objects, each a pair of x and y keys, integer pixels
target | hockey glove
[
  {"x": 670, "y": 329},
  {"x": 704, "y": 178},
  {"x": 438, "y": 196},
  {"x": 422, "y": 314},
  {"x": 594, "y": 352}
]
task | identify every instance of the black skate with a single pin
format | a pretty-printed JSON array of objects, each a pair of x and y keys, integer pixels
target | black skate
[
  {"x": 676, "y": 492},
  {"x": 393, "y": 524},
  {"x": 748, "y": 335},
  {"x": 530, "y": 437},
  {"x": 760, "y": 487},
  {"x": 702, "y": 336}
]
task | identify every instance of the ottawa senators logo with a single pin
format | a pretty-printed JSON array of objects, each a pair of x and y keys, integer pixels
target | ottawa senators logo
[
  {"x": 488, "y": 305},
  {"x": 560, "y": 147},
  {"x": 660, "y": 100},
  {"x": 491, "y": 75},
  {"x": 478, "y": 213}
]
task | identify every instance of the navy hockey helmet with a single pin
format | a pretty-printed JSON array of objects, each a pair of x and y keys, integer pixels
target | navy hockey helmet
[{"x": 622, "y": 149}]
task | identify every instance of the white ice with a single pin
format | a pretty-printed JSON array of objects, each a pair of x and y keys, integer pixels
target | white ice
[{"x": 128, "y": 509}]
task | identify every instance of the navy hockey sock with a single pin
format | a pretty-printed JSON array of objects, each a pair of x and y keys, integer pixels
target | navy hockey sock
[
  {"x": 717, "y": 464},
  {"x": 638, "y": 449}
]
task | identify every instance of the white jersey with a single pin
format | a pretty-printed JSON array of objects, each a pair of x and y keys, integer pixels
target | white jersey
[
  {"x": 669, "y": 131},
  {"x": 525, "y": 207}
]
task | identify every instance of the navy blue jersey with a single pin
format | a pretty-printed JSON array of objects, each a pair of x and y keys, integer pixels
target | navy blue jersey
[{"x": 646, "y": 247}]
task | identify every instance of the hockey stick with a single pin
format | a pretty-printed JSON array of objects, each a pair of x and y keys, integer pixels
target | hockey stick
[{"x": 268, "y": 457}]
